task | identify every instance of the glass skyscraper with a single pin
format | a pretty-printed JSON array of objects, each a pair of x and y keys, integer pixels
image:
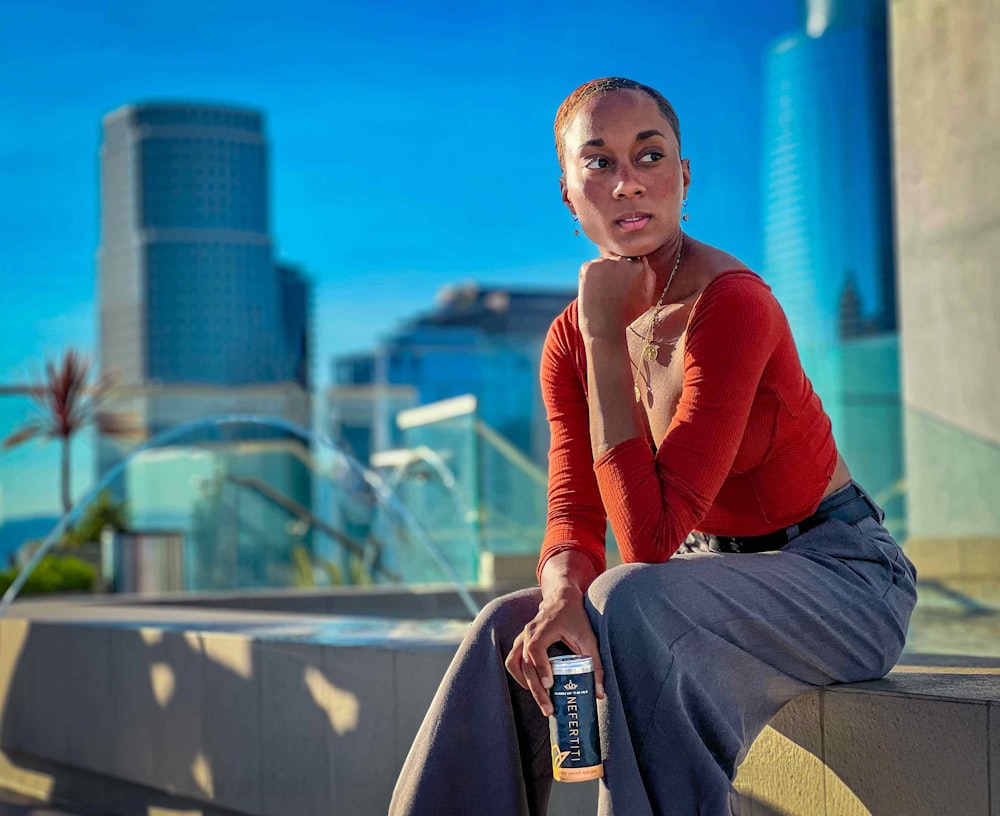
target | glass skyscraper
[
  {"x": 828, "y": 252},
  {"x": 188, "y": 288},
  {"x": 481, "y": 341},
  {"x": 197, "y": 320}
]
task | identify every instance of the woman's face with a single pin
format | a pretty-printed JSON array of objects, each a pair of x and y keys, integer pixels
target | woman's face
[{"x": 624, "y": 177}]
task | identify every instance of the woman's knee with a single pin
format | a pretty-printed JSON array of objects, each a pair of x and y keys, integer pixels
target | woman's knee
[
  {"x": 620, "y": 590},
  {"x": 505, "y": 617},
  {"x": 625, "y": 594}
]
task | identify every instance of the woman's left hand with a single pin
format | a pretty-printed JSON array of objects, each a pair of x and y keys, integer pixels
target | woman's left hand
[{"x": 613, "y": 293}]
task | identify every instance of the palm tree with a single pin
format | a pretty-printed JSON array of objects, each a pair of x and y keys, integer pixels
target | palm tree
[{"x": 65, "y": 403}]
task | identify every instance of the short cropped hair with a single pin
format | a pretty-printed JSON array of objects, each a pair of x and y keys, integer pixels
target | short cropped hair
[{"x": 598, "y": 87}]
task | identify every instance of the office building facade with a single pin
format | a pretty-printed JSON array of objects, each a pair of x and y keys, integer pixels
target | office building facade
[
  {"x": 481, "y": 341},
  {"x": 189, "y": 293}
]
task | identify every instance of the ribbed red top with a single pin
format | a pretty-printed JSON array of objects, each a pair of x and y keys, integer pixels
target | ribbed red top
[{"x": 749, "y": 450}]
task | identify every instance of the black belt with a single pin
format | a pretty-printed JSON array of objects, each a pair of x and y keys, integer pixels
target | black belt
[{"x": 850, "y": 505}]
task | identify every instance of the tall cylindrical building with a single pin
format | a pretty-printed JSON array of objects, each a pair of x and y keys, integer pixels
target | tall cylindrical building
[
  {"x": 828, "y": 249},
  {"x": 828, "y": 179}
]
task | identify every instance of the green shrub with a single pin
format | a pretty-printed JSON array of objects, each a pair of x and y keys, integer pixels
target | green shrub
[
  {"x": 54, "y": 573},
  {"x": 103, "y": 512}
]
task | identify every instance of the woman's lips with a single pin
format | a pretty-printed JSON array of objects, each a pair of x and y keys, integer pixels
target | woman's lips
[{"x": 631, "y": 223}]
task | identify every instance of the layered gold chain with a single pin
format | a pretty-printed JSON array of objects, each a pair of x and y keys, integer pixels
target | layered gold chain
[{"x": 650, "y": 350}]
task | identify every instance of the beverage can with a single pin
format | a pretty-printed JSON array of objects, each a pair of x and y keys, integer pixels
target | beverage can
[{"x": 573, "y": 730}]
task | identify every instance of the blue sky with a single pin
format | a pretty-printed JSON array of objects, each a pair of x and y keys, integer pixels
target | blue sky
[{"x": 411, "y": 143}]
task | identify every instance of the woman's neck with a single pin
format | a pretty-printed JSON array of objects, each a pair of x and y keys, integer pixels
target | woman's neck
[{"x": 674, "y": 254}]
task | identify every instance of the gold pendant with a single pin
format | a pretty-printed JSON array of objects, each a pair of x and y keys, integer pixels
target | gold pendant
[
  {"x": 649, "y": 352},
  {"x": 638, "y": 396}
]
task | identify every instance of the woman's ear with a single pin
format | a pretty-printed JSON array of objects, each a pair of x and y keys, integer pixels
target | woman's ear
[
  {"x": 565, "y": 195},
  {"x": 686, "y": 172}
]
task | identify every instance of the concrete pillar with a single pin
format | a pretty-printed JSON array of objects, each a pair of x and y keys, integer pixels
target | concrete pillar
[{"x": 946, "y": 119}]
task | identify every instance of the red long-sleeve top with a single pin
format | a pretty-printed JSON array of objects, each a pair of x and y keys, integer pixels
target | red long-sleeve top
[{"x": 749, "y": 450}]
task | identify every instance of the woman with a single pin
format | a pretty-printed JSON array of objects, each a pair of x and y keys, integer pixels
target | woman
[{"x": 676, "y": 402}]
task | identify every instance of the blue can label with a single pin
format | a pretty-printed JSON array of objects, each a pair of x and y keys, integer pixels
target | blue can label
[{"x": 576, "y": 744}]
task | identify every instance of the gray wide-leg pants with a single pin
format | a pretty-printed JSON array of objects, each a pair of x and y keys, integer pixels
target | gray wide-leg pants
[{"x": 699, "y": 653}]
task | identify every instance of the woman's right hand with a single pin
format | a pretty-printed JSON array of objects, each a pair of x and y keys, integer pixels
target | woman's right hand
[{"x": 561, "y": 617}]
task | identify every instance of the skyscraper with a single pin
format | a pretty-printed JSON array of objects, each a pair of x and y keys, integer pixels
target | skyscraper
[
  {"x": 828, "y": 248},
  {"x": 828, "y": 205},
  {"x": 188, "y": 291},
  {"x": 197, "y": 320}
]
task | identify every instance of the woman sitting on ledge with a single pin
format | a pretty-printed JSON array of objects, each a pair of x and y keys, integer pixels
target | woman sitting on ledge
[{"x": 676, "y": 402}]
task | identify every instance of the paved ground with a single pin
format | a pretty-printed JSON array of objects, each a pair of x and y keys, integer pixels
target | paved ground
[{"x": 11, "y": 804}]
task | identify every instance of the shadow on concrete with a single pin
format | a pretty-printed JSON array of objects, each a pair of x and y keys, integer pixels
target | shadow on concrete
[{"x": 127, "y": 718}]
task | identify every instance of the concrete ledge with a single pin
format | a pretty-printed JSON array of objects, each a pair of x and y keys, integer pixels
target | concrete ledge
[
  {"x": 220, "y": 712},
  {"x": 241, "y": 712},
  {"x": 389, "y": 601},
  {"x": 924, "y": 741}
]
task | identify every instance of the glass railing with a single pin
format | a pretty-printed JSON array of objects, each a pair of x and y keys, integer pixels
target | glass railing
[
  {"x": 472, "y": 489},
  {"x": 243, "y": 503}
]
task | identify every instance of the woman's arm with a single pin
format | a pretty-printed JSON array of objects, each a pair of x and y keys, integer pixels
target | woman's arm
[
  {"x": 572, "y": 554},
  {"x": 576, "y": 521},
  {"x": 614, "y": 416},
  {"x": 613, "y": 293},
  {"x": 653, "y": 502}
]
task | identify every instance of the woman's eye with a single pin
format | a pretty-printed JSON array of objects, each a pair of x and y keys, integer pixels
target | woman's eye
[
  {"x": 597, "y": 163},
  {"x": 652, "y": 156}
]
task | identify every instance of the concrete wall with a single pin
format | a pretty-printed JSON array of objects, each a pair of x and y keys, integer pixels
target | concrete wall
[
  {"x": 946, "y": 114},
  {"x": 219, "y": 712}
]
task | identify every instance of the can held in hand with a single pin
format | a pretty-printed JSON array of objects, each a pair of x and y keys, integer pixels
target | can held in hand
[{"x": 576, "y": 741}]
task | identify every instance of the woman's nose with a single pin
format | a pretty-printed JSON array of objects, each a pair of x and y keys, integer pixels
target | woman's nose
[{"x": 628, "y": 184}]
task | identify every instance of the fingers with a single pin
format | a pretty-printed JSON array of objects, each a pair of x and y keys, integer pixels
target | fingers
[
  {"x": 587, "y": 645},
  {"x": 528, "y": 661},
  {"x": 532, "y": 671},
  {"x": 537, "y": 669},
  {"x": 513, "y": 662},
  {"x": 528, "y": 674},
  {"x": 538, "y": 688}
]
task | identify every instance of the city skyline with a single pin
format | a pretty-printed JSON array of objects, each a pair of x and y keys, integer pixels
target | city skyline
[
  {"x": 378, "y": 255},
  {"x": 433, "y": 168}
]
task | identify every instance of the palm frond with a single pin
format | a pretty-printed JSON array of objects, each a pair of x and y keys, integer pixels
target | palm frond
[
  {"x": 23, "y": 434},
  {"x": 65, "y": 401}
]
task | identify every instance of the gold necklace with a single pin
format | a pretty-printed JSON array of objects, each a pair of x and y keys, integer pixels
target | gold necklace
[{"x": 649, "y": 349}]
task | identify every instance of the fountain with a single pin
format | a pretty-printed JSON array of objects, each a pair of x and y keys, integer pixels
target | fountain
[{"x": 319, "y": 518}]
